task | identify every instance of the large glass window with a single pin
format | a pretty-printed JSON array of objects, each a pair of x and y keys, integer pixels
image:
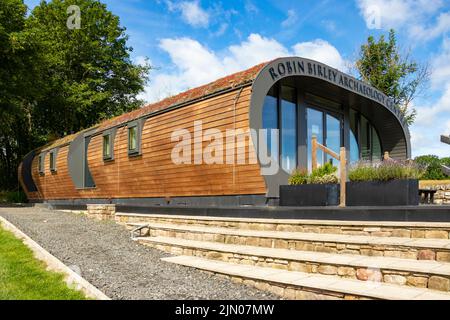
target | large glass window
[
  {"x": 364, "y": 138},
  {"x": 270, "y": 119},
  {"x": 288, "y": 126}
]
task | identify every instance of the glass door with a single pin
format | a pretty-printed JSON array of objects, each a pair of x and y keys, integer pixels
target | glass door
[{"x": 327, "y": 128}]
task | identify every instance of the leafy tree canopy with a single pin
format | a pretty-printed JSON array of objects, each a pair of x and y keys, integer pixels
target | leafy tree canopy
[
  {"x": 400, "y": 78},
  {"x": 56, "y": 80}
]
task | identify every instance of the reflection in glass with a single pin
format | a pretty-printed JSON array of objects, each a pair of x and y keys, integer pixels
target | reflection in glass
[
  {"x": 315, "y": 127},
  {"x": 333, "y": 140},
  {"x": 376, "y": 146},
  {"x": 354, "y": 149},
  {"x": 365, "y": 139},
  {"x": 270, "y": 119},
  {"x": 288, "y": 128}
]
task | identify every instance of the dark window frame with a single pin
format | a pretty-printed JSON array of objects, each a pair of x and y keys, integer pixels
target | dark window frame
[
  {"x": 52, "y": 160},
  {"x": 137, "y": 151},
  {"x": 41, "y": 163},
  {"x": 111, "y": 136}
]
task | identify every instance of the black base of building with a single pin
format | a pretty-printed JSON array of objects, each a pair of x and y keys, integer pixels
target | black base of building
[{"x": 420, "y": 213}]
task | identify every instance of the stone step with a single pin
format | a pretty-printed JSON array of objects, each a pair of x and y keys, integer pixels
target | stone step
[
  {"x": 302, "y": 285},
  {"x": 432, "y": 230},
  {"x": 426, "y": 274},
  {"x": 418, "y": 249}
]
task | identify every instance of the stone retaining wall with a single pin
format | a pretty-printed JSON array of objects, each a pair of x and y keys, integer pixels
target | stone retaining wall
[
  {"x": 101, "y": 211},
  {"x": 442, "y": 196},
  {"x": 413, "y": 231}
]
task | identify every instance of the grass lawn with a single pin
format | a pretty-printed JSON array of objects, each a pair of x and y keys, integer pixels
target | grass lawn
[{"x": 22, "y": 277}]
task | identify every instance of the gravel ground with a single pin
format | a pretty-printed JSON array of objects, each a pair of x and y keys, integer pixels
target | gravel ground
[{"x": 104, "y": 254}]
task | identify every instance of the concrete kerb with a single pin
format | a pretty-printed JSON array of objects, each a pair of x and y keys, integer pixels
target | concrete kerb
[{"x": 72, "y": 279}]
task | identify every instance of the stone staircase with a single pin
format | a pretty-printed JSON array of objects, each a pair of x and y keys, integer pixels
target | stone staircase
[{"x": 308, "y": 259}]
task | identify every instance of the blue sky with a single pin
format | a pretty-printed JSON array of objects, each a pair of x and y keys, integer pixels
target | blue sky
[{"x": 193, "y": 42}]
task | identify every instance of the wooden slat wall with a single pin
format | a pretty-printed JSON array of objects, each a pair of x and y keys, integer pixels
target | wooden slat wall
[
  {"x": 153, "y": 174},
  {"x": 57, "y": 185}
]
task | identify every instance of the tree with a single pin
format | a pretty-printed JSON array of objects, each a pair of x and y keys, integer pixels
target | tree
[
  {"x": 55, "y": 80},
  {"x": 433, "y": 165},
  {"x": 18, "y": 79},
  {"x": 399, "y": 77},
  {"x": 89, "y": 75}
]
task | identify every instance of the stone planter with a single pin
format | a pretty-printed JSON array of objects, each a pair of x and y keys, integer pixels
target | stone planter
[
  {"x": 306, "y": 195},
  {"x": 382, "y": 193}
]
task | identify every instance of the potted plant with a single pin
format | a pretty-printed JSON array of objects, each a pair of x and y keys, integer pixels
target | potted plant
[
  {"x": 387, "y": 183},
  {"x": 320, "y": 188}
]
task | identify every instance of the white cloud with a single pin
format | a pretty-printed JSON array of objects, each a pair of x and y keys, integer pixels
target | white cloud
[
  {"x": 441, "y": 26},
  {"x": 291, "y": 19},
  {"x": 193, "y": 64},
  {"x": 191, "y": 12},
  {"x": 322, "y": 51},
  {"x": 416, "y": 16},
  {"x": 222, "y": 29},
  {"x": 431, "y": 115}
]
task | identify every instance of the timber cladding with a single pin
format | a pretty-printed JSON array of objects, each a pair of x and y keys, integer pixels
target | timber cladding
[{"x": 153, "y": 173}]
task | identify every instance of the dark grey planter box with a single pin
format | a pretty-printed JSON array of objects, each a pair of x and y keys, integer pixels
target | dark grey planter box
[
  {"x": 382, "y": 193},
  {"x": 307, "y": 195}
]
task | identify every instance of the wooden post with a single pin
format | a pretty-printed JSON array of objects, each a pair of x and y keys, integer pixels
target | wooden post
[
  {"x": 314, "y": 152},
  {"x": 343, "y": 174}
]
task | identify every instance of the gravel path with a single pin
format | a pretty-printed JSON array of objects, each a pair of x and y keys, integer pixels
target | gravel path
[{"x": 104, "y": 254}]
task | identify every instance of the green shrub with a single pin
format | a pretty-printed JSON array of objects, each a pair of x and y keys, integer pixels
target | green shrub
[
  {"x": 299, "y": 176},
  {"x": 328, "y": 178},
  {"x": 321, "y": 175},
  {"x": 386, "y": 170},
  {"x": 13, "y": 197},
  {"x": 433, "y": 166},
  {"x": 326, "y": 169}
]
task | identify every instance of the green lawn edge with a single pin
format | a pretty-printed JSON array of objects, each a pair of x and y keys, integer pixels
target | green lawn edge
[{"x": 23, "y": 277}]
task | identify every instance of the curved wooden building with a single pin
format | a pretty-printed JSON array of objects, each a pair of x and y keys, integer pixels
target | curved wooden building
[{"x": 130, "y": 159}]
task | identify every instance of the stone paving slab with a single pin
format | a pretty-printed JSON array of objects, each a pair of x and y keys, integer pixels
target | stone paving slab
[
  {"x": 421, "y": 266},
  {"x": 313, "y": 281}
]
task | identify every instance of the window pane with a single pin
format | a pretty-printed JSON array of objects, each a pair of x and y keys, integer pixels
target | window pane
[
  {"x": 376, "y": 146},
  {"x": 354, "y": 149},
  {"x": 106, "y": 146},
  {"x": 132, "y": 142},
  {"x": 52, "y": 161},
  {"x": 333, "y": 140},
  {"x": 288, "y": 129},
  {"x": 365, "y": 139},
  {"x": 270, "y": 118},
  {"x": 315, "y": 128}
]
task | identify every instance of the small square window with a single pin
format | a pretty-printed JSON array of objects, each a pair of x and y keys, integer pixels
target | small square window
[
  {"x": 107, "y": 154},
  {"x": 132, "y": 140},
  {"x": 53, "y": 161}
]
